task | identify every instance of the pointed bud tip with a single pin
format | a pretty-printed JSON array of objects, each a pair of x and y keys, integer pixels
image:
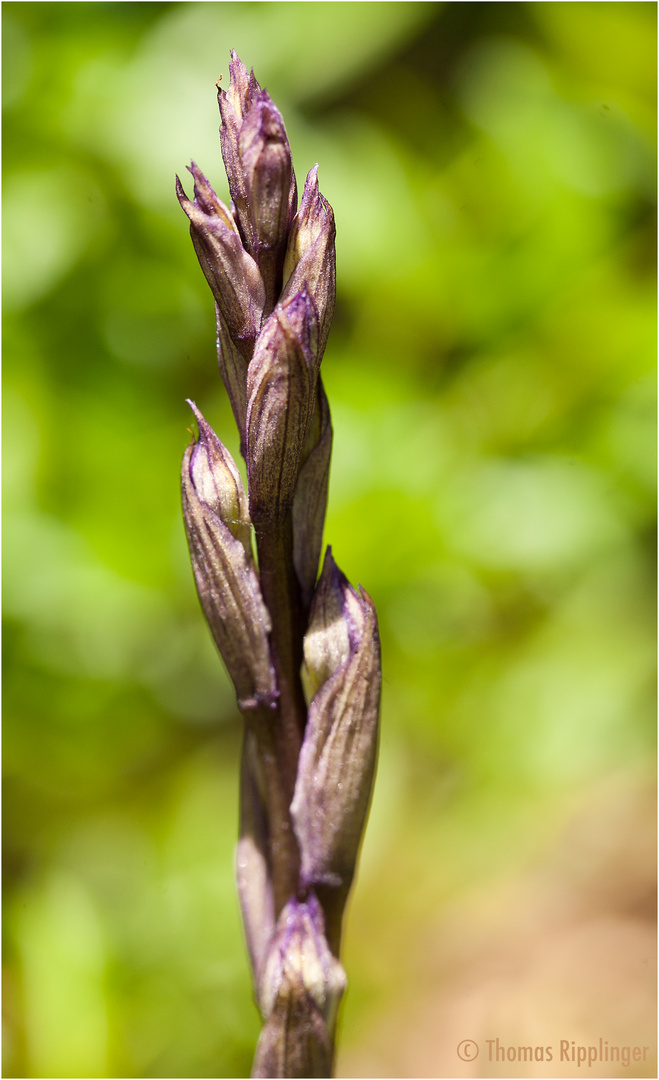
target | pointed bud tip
[
  {"x": 204, "y": 197},
  {"x": 300, "y": 311},
  {"x": 205, "y": 430},
  {"x": 298, "y": 303},
  {"x": 236, "y": 65},
  {"x": 366, "y": 597},
  {"x": 312, "y": 194},
  {"x": 331, "y": 576},
  {"x": 330, "y": 636},
  {"x": 201, "y": 422},
  {"x": 208, "y": 440},
  {"x": 310, "y": 186},
  {"x": 195, "y": 171},
  {"x": 237, "y": 97},
  {"x": 297, "y": 315}
]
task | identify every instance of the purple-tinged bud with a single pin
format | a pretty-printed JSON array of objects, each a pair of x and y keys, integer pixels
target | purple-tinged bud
[
  {"x": 281, "y": 389},
  {"x": 269, "y": 181},
  {"x": 310, "y": 501},
  {"x": 337, "y": 761},
  {"x": 299, "y": 950},
  {"x": 238, "y": 99},
  {"x": 231, "y": 272},
  {"x": 300, "y": 987},
  {"x": 234, "y": 105},
  {"x": 311, "y": 255},
  {"x": 217, "y": 526},
  {"x": 217, "y": 482},
  {"x": 257, "y": 157}
]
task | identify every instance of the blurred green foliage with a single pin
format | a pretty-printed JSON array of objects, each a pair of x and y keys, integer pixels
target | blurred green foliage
[{"x": 490, "y": 374}]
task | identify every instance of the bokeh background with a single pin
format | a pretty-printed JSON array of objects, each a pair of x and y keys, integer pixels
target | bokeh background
[{"x": 490, "y": 374}]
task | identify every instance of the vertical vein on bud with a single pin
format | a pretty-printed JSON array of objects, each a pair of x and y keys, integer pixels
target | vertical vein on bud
[{"x": 310, "y": 499}]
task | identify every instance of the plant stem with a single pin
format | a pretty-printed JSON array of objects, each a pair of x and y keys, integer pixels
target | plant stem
[{"x": 280, "y": 747}]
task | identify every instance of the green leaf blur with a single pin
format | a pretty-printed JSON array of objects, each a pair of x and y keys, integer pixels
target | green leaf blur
[{"x": 491, "y": 379}]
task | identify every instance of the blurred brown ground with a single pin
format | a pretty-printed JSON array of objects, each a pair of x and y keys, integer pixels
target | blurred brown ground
[{"x": 566, "y": 951}]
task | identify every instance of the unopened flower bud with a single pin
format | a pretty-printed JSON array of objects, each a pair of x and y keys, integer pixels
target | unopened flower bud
[
  {"x": 217, "y": 481},
  {"x": 243, "y": 87},
  {"x": 270, "y": 185},
  {"x": 311, "y": 256},
  {"x": 327, "y": 640},
  {"x": 281, "y": 388},
  {"x": 337, "y": 760},
  {"x": 230, "y": 271},
  {"x": 235, "y": 103},
  {"x": 300, "y": 952},
  {"x": 217, "y": 526},
  {"x": 259, "y": 167},
  {"x": 300, "y": 986}
]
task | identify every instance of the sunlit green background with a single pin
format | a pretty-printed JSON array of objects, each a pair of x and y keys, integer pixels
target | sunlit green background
[{"x": 490, "y": 373}]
